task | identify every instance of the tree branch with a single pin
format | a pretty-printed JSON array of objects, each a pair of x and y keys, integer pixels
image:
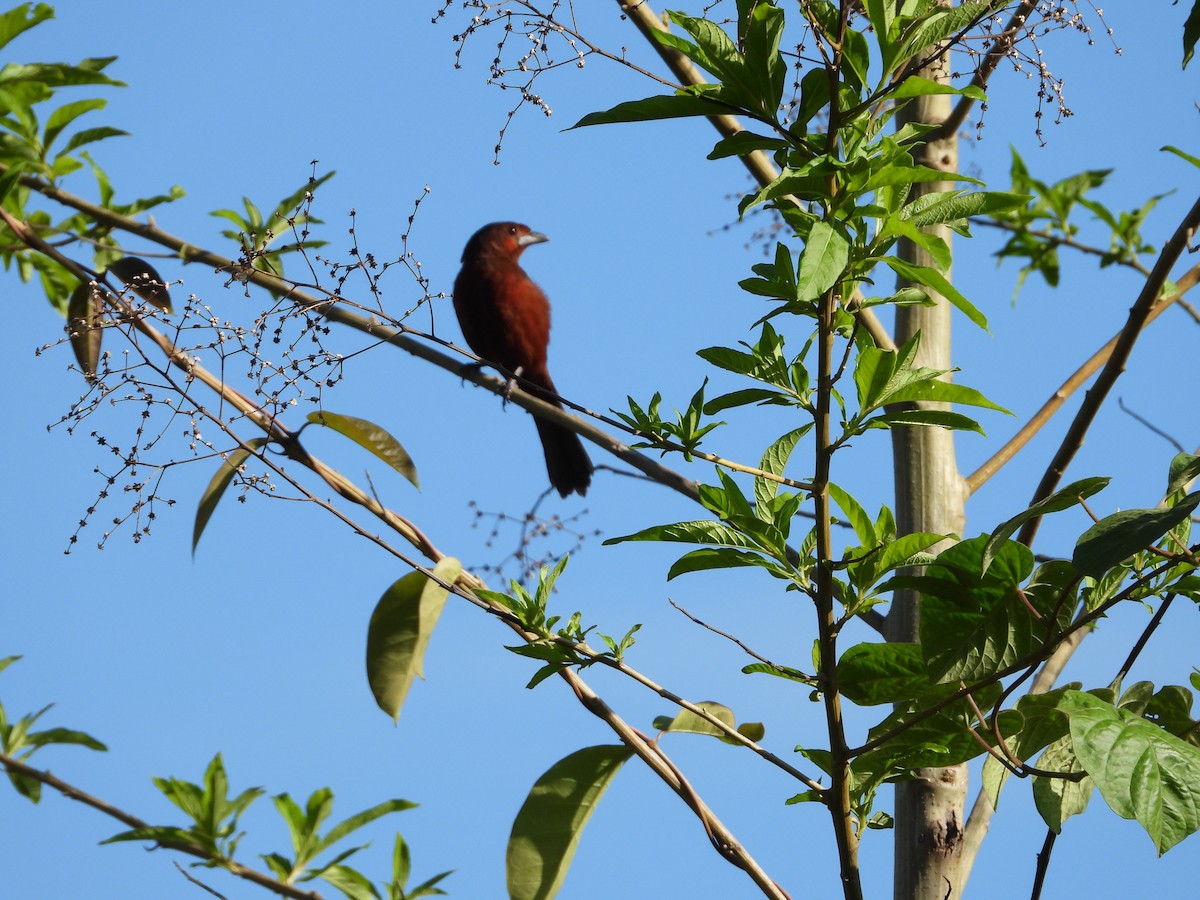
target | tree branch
[
  {"x": 79, "y": 796},
  {"x": 1138, "y": 316},
  {"x": 1078, "y": 378}
]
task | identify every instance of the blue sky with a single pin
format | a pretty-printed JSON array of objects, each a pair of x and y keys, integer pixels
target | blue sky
[{"x": 255, "y": 648}]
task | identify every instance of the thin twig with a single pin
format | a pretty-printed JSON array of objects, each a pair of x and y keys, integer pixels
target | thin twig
[
  {"x": 1141, "y": 420},
  {"x": 196, "y": 881},
  {"x": 739, "y": 643}
]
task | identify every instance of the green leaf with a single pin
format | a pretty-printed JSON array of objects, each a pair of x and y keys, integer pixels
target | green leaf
[
  {"x": 864, "y": 528},
  {"x": 1072, "y": 495},
  {"x": 822, "y": 262},
  {"x": 1184, "y": 469},
  {"x": 20, "y": 19},
  {"x": 90, "y": 136},
  {"x": 1170, "y": 149},
  {"x": 869, "y": 674},
  {"x": 941, "y": 24},
  {"x": 1143, "y": 772},
  {"x": 895, "y": 174},
  {"x": 399, "y": 633},
  {"x": 960, "y": 206},
  {"x": 916, "y": 86},
  {"x": 774, "y": 460},
  {"x": 1191, "y": 32},
  {"x": 64, "y": 736},
  {"x": 547, "y": 829},
  {"x": 690, "y": 723},
  {"x": 350, "y": 882},
  {"x": 930, "y": 418},
  {"x": 703, "y": 531},
  {"x": 64, "y": 116},
  {"x": 707, "y": 558},
  {"x": 1057, "y": 799},
  {"x": 666, "y": 106},
  {"x": 973, "y": 625},
  {"x": 1117, "y": 537},
  {"x": 931, "y": 277},
  {"x": 216, "y": 487},
  {"x": 372, "y": 437},
  {"x": 934, "y": 390},
  {"x": 744, "y": 143},
  {"x": 367, "y": 816}
]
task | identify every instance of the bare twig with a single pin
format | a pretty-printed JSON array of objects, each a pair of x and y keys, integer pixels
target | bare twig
[
  {"x": 200, "y": 884},
  {"x": 1149, "y": 426}
]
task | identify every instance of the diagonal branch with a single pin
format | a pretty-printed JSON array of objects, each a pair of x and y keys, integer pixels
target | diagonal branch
[
  {"x": 79, "y": 796},
  {"x": 652, "y": 754},
  {"x": 1079, "y": 378},
  {"x": 1138, "y": 316}
]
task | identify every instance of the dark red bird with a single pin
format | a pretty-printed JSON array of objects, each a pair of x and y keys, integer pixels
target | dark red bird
[{"x": 505, "y": 318}]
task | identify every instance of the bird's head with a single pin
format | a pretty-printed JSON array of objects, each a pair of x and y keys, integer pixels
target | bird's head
[{"x": 506, "y": 238}]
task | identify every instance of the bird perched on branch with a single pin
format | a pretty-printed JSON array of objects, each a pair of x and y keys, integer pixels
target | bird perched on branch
[{"x": 505, "y": 318}]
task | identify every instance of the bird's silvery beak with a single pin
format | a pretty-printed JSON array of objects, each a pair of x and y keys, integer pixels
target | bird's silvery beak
[{"x": 534, "y": 237}]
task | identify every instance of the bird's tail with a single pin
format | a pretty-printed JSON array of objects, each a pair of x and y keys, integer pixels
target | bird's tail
[{"x": 567, "y": 462}]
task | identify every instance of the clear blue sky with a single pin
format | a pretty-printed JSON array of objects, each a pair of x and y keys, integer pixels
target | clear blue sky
[{"x": 255, "y": 648}]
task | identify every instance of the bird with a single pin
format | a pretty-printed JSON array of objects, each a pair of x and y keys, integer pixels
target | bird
[{"x": 505, "y": 319}]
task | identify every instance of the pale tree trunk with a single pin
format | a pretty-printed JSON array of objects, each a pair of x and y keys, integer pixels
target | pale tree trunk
[{"x": 929, "y": 497}]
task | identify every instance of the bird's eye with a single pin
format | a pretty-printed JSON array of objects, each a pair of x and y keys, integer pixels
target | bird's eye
[{"x": 512, "y": 229}]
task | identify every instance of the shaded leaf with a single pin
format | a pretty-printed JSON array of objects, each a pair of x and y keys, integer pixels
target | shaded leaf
[
  {"x": 667, "y": 106},
  {"x": 547, "y": 829},
  {"x": 399, "y": 632},
  {"x": 143, "y": 280},
  {"x": 1057, "y": 799},
  {"x": 85, "y": 326}
]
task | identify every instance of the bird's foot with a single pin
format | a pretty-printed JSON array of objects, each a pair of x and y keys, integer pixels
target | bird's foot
[{"x": 512, "y": 383}]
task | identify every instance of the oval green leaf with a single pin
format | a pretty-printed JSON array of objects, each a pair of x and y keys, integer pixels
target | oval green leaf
[
  {"x": 1143, "y": 772},
  {"x": 399, "y": 632},
  {"x": 548, "y": 827},
  {"x": 372, "y": 437}
]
